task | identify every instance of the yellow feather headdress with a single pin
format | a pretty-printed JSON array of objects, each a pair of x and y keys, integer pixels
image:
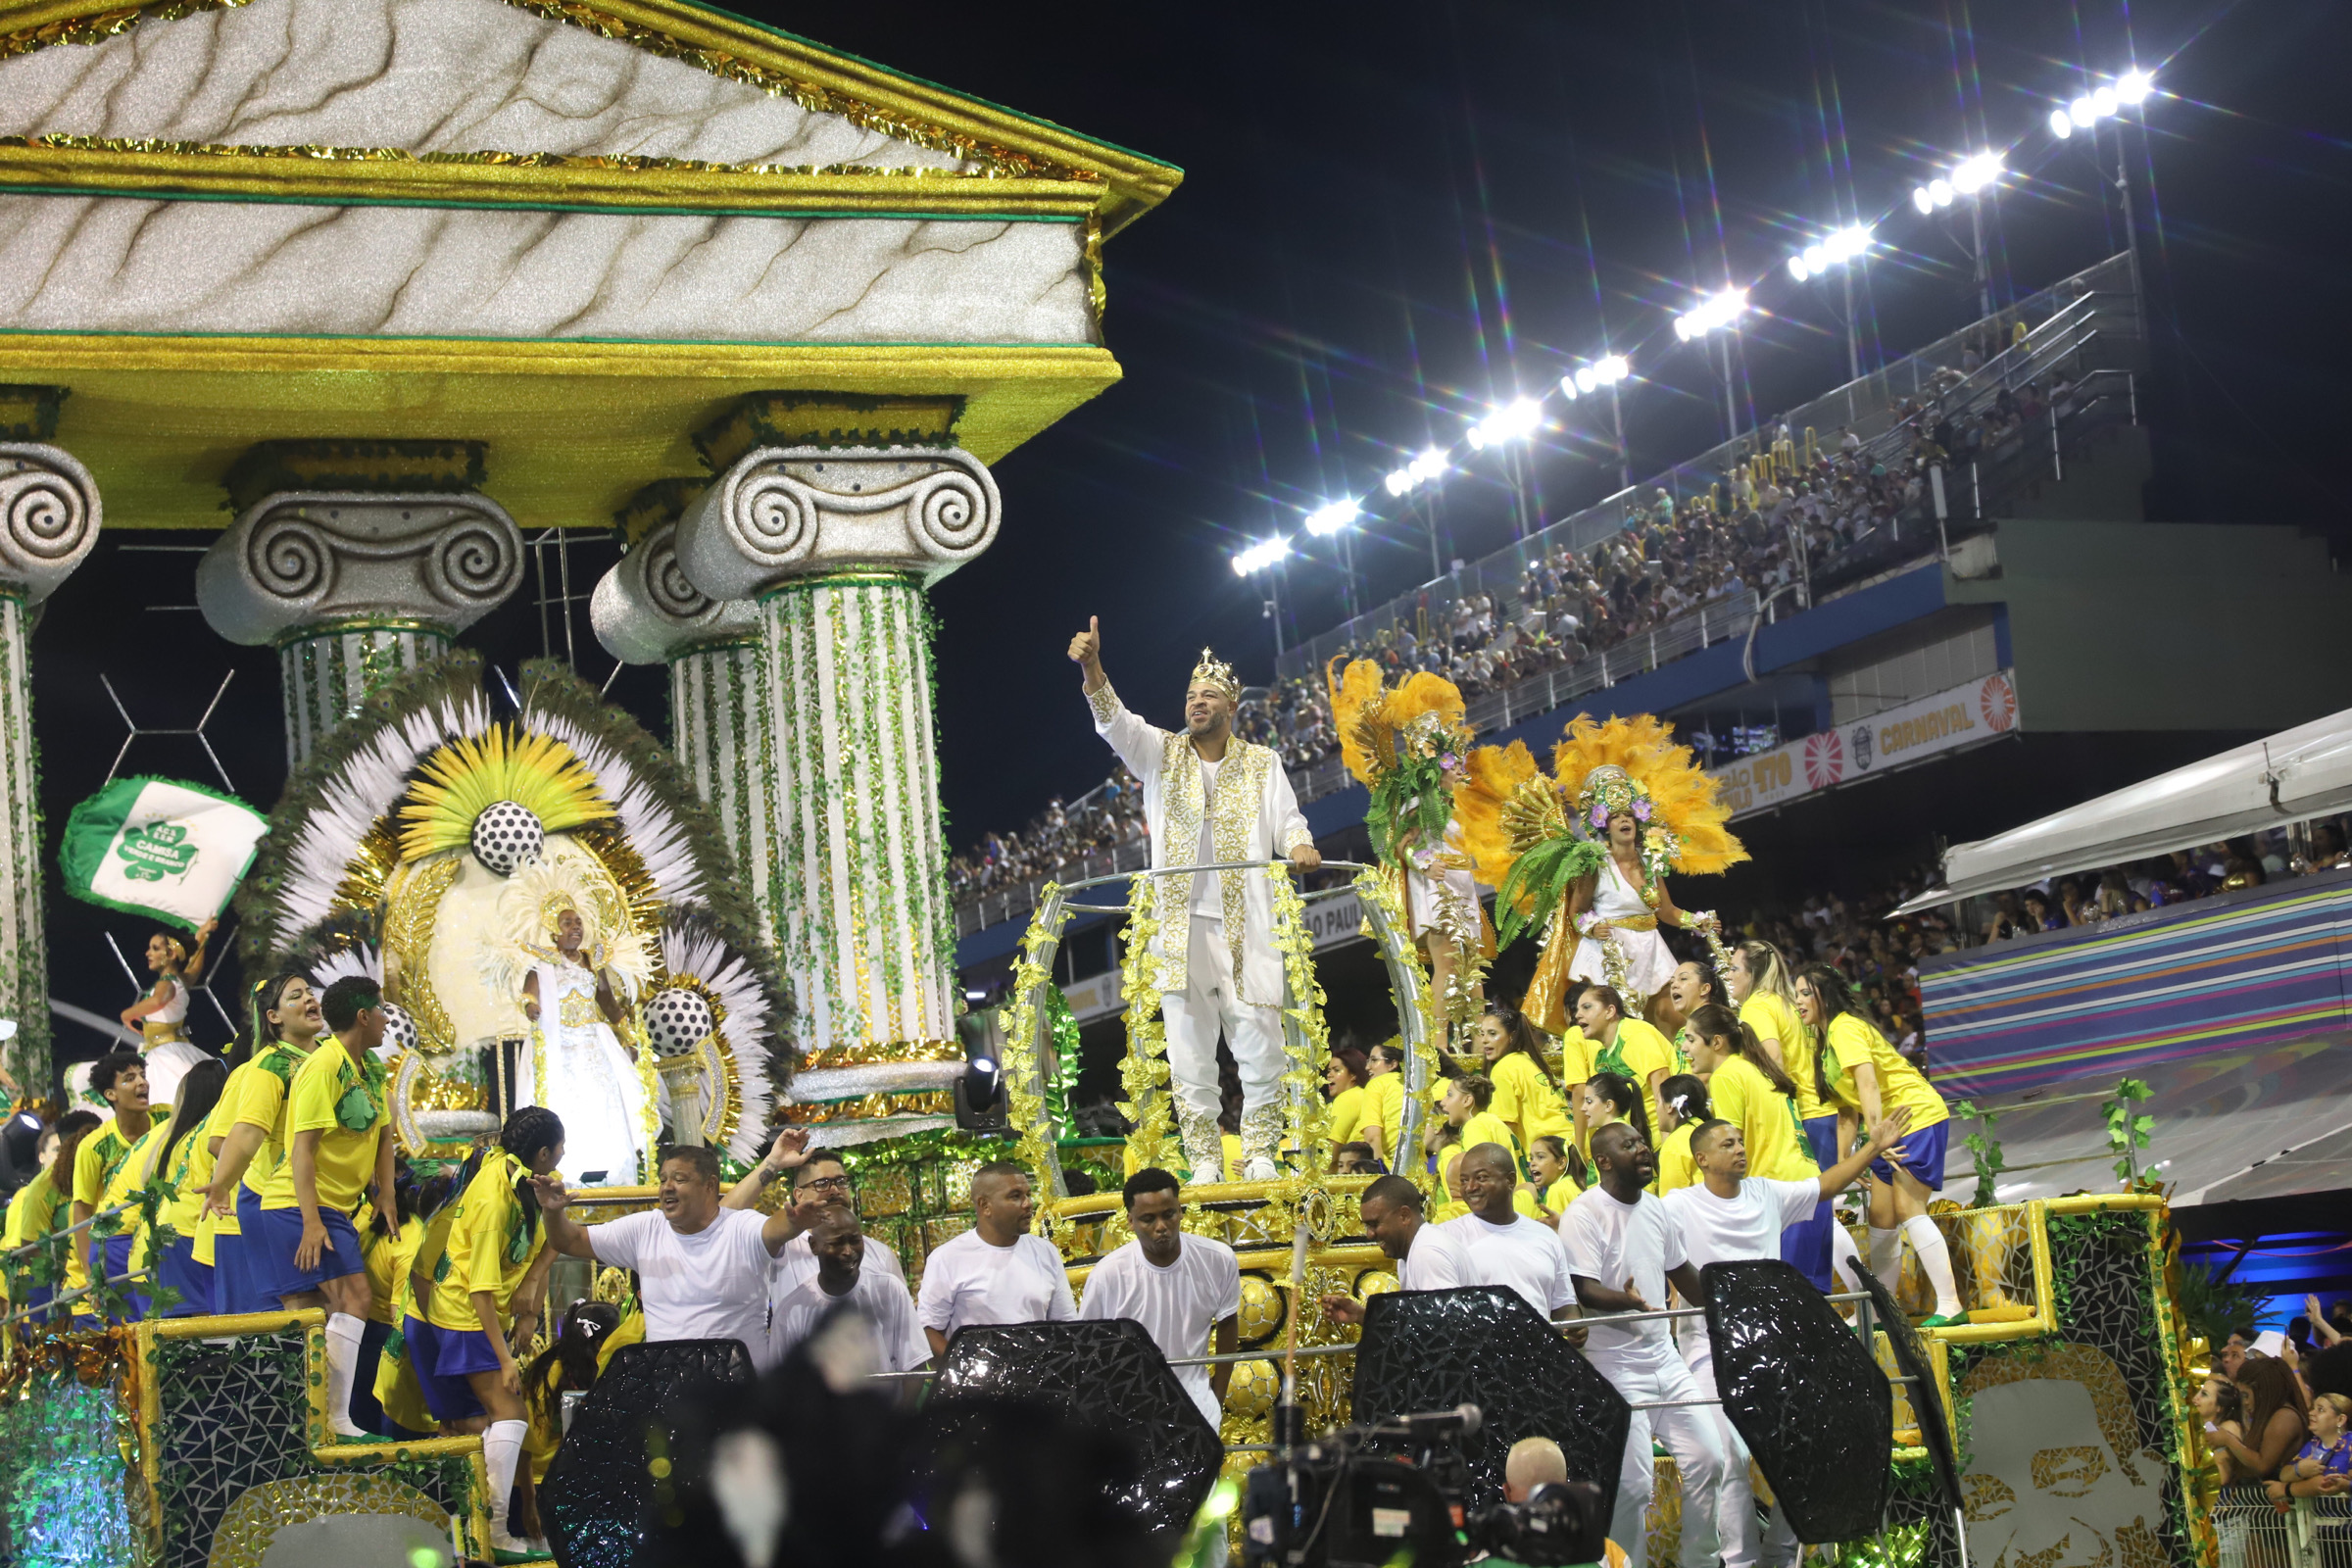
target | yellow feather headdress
[
  {"x": 472, "y": 773},
  {"x": 1426, "y": 709}
]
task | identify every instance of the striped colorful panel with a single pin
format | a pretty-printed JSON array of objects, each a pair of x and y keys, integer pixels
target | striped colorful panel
[{"x": 2266, "y": 969}]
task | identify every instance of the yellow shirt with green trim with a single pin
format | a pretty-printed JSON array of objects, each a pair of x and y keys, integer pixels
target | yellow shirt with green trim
[
  {"x": 1637, "y": 1051},
  {"x": 262, "y": 1102},
  {"x": 1854, "y": 1042},
  {"x": 1384, "y": 1107},
  {"x": 36, "y": 1210},
  {"x": 1767, "y": 1119},
  {"x": 218, "y": 1125},
  {"x": 189, "y": 1173},
  {"x": 1772, "y": 1018},
  {"x": 1525, "y": 1099},
  {"x": 107, "y": 1167},
  {"x": 1575, "y": 1058},
  {"x": 387, "y": 1258},
  {"x": 1560, "y": 1193},
  {"x": 1485, "y": 1127},
  {"x": 327, "y": 1086},
  {"x": 487, "y": 1247},
  {"x": 1676, "y": 1168},
  {"x": 1345, "y": 1114}
]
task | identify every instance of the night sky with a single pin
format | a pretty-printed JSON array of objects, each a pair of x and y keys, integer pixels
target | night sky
[{"x": 1393, "y": 216}]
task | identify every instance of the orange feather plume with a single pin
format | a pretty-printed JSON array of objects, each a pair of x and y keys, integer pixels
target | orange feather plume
[{"x": 1495, "y": 773}]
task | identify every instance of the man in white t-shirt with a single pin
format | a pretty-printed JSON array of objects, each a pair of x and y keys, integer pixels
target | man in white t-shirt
[
  {"x": 1499, "y": 1244},
  {"x": 701, "y": 1269},
  {"x": 1428, "y": 1258},
  {"x": 1729, "y": 1215},
  {"x": 996, "y": 1272},
  {"x": 819, "y": 1182},
  {"x": 837, "y": 1242},
  {"x": 1622, "y": 1249},
  {"x": 1184, "y": 1289}
]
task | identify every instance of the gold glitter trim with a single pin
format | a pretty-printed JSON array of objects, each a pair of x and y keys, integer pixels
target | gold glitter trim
[
  {"x": 868, "y": 1054},
  {"x": 414, "y": 905},
  {"x": 1104, "y": 703}
]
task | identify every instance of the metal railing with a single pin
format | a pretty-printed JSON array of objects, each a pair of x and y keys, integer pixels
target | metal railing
[{"x": 2307, "y": 1533}]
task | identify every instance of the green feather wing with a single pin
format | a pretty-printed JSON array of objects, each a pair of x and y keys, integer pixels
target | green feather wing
[{"x": 1539, "y": 881}]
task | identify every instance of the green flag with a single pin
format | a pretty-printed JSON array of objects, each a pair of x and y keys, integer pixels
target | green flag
[{"x": 160, "y": 847}]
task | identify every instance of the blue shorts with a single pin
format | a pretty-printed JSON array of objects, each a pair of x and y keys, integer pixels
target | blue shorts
[
  {"x": 272, "y": 1236},
  {"x": 441, "y": 1359},
  {"x": 1806, "y": 1245},
  {"x": 232, "y": 1276},
  {"x": 1923, "y": 1155},
  {"x": 1822, "y": 1133},
  {"x": 178, "y": 1269},
  {"x": 117, "y": 1261}
]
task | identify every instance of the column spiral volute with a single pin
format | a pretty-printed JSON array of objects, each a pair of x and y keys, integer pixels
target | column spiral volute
[
  {"x": 49, "y": 515},
  {"x": 297, "y": 559},
  {"x": 782, "y": 512}
]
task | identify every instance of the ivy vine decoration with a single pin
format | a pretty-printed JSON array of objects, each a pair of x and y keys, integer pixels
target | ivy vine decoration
[
  {"x": 2128, "y": 1133},
  {"x": 1986, "y": 1149}
]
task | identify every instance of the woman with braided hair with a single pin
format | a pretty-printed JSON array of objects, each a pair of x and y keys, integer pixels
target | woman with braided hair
[
  {"x": 162, "y": 1015},
  {"x": 487, "y": 1289}
]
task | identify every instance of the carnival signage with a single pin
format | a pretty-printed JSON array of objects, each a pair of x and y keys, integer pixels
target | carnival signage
[{"x": 1980, "y": 710}]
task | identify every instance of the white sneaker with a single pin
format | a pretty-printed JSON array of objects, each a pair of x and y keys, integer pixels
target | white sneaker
[{"x": 1260, "y": 1170}]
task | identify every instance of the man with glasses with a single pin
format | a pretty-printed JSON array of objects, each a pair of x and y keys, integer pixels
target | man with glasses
[{"x": 819, "y": 1183}]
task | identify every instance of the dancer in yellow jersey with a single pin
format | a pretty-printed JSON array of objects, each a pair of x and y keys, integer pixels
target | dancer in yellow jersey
[
  {"x": 1857, "y": 1069},
  {"x": 1527, "y": 1097},
  {"x": 1344, "y": 1079},
  {"x": 253, "y": 1136},
  {"x": 41, "y": 1209},
  {"x": 1551, "y": 1182},
  {"x": 106, "y": 1174},
  {"x": 1384, "y": 1103},
  {"x": 1685, "y": 1099},
  {"x": 1748, "y": 1089},
  {"x": 1627, "y": 1046},
  {"x": 174, "y": 1249}
]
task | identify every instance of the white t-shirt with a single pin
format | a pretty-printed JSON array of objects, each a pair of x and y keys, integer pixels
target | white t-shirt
[
  {"x": 796, "y": 1266},
  {"x": 711, "y": 1285},
  {"x": 1525, "y": 1256},
  {"x": 1177, "y": 1306},
  {"x": 1609, "y": 1243},
  {"x": 1716, "y": 1230},
  {"x": 1209, "y": 887},
  {"x": 1434, "y": 1262},
  {"x": 968, "y": 1280},
  {"x": 882, "y": 1297}
]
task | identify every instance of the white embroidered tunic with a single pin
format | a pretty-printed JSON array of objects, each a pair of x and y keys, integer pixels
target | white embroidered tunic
[{"x": 1253, "y": 814}]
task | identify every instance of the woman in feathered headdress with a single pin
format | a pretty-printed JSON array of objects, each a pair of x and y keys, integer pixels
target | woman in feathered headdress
[
  {"x": 1596, "y": 881},
  {"x": 1409, "y": 747}
]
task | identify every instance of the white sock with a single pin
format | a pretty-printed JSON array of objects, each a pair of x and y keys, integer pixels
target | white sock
[
  {"x": 1937, "y": 1258},
  {"x": 343, "y": 1333},
  {"x": 502, "y": 1448},
  {"x": 1884, "y": 1258}
]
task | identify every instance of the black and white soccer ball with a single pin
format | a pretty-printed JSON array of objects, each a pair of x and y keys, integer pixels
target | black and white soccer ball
[
  {"x": 400, "y": 1029},
  {"x": 506, "y": 836},
  {"x": 676, "y": 1020}
]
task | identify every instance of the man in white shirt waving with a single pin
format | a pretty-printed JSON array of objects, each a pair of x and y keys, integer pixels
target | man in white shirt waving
[
  {"x": 1728, "y": 1215},
  {"x": 1182, "y": 1288},
  {"x": 819, "y": 1182},
  {"x": 996, "y": 1272},
  {"x": 1499, "y": 1244},
  {"x": 1430, "y": 1259},
  {"x": 1211, "y": 797},
  {"x": 838, "y": 1244},
  {"x": 1622, "y": 1249},
  {"x": 702, "y": 1270}
]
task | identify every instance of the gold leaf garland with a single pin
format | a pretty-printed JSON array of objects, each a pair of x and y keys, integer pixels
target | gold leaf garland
[
  {"x": 1024, "y": 1090},
  {"x": 1143, "y": 1072},
  {"x": 1374, "y": 887},
  {"x": 1302, "y": 1075}
]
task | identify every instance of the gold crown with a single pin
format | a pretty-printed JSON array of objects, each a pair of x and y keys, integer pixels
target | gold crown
[{"x": 1214, "y": 671}]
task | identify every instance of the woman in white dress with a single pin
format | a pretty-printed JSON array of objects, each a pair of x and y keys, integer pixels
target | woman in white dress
[
  {"x": 577, "y": 1065},
  {"x": 1615, "y": 911},
  {"x": 162, "y": 1015}
]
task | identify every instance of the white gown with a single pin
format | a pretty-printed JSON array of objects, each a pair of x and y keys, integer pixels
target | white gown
[
  {"x": 591, "y": 1083},
  {"x": 169, "y": 1051},
  {"x": 1648, "y": 962}
]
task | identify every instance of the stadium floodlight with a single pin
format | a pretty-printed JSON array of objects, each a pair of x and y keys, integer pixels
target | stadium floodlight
[
  {"x": 1587, "y": 378},
  {"x": 1613, "y": 368},
  {"x": 1722, "y": 308},
  {"x": 2128, "y": 90},
  {"x": 1258, "y": 557},
  {"x": 1515, "y": 420},
  {"x": 1331, "y": 519},
  {"x": 2081, "y": 113},
  {"x": 2062, "y": 123},
  {"x": 1419, "y": 472},
  {"x": 2104, "y": 102},
  {"x": 1972, "y": 174},
  {"x": 1832, "y": 250},
  {"x": 2134, "y": 86}
]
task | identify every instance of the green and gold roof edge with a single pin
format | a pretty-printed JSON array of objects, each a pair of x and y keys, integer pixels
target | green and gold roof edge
[{"x": 1007, "y": 145}]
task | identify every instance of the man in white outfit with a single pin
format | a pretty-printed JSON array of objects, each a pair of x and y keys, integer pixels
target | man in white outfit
[
  {"x": 1428, "y": 1258},
  {"x": 1730, "y": 1214},
  {"x": 1186, "y": 1291},
  {"x": 1622, "y": 1249},
  {"x": 996, "y": 1272},
  {"x": 1499, "y": 1245},
  {"x": 1211, "y": 797},
  {"x": 838, "y": 1244}
]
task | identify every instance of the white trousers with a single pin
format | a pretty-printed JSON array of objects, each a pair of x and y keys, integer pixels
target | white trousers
[
  {"x": 1209, "y": 1003},
  {"x": 1745, "y": 1543},
  {"x": 1690, "y": 1435}
]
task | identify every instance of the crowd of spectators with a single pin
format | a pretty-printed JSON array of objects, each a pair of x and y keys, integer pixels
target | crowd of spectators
[{"x": 1101, "y": 819}]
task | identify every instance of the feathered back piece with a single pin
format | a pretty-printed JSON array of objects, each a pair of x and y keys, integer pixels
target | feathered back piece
[
  {"x": 1525, "y": 840},
  {"x": 1367, "y": 745},
  {"x": 1406, "y": 746}
]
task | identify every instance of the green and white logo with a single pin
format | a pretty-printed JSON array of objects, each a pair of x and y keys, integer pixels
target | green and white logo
[{"x": 160, "y": 847}]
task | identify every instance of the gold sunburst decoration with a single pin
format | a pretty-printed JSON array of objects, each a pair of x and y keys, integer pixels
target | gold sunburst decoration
[{"x": 469, "y": 775}]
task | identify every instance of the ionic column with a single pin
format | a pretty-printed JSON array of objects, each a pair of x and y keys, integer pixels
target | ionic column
[
  {"x": 646, "y": 611},
  {"x": 836, "y": 546},
  {"x": 49, "y": 519},
  {"x": 353, "y": 587}
]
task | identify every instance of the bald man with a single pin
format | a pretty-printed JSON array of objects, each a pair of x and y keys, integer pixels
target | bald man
[
  {"x": 1533, "y": 1462},
  {"x": 1500, "y": 1246},
  {"x": 837, "y": 1242},
  {"x": 996, "y": 1272},
  {"x": 1429, "y": 1258},
  {"x": 1623, "y": 1247}
]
